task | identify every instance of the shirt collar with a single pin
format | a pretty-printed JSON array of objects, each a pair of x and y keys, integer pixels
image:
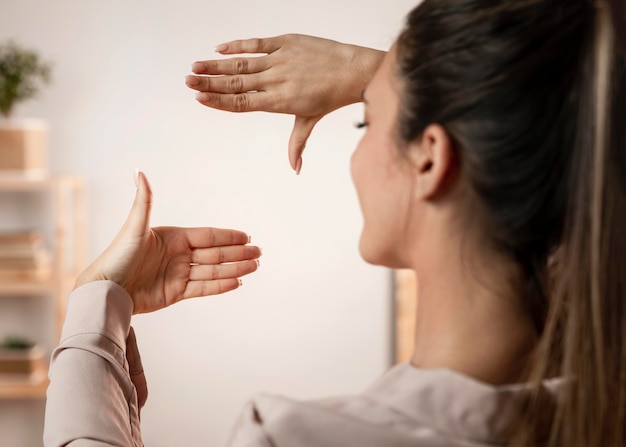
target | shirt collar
[{"x": 458, "y": 405}]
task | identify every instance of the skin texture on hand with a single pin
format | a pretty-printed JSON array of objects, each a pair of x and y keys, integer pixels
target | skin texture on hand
[
  {"x": 304, "y": 76},
  {"x": 161, "y": 266}
]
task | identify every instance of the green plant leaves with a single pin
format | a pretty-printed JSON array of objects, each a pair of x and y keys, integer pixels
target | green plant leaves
[
  {"x": 16, "y": 342},
  {"x": 22, "y": 74}
]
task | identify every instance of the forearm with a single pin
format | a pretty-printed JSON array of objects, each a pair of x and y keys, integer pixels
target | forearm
[{"x": 91, "y": 399}]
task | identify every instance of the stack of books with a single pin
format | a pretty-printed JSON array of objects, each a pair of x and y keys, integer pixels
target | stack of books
[{"x": 23, "y": 257}]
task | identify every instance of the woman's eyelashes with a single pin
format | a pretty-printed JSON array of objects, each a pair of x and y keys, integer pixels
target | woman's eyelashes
[{"x": 361, "y": 124}]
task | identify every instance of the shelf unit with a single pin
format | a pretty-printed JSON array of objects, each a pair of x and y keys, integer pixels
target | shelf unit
[{"x": 68, "y": 233}]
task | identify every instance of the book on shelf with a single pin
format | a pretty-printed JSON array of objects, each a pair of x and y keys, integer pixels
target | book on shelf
[{"x": 23, "y": 257}]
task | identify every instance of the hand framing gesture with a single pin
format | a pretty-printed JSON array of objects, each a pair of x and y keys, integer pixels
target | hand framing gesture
[
  {"x": 299, "y": 75},
  {"x": 161, "y": 266}
]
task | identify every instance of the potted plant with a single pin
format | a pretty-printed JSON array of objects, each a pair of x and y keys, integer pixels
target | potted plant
[
  {"x": 20, "y": 359},
  {"x": 23, "y": 141}
]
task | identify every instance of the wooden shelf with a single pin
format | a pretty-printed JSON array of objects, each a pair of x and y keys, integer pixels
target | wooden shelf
[
  {"x": 35, "y": 288},
  {"x": 13, "y": 390},
  {"x": 67, "y": 222},
  {"x": 13, "y": 183}
]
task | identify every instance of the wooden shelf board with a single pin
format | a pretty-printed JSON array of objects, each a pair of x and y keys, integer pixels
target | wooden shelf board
[
  {"x": 14, "y": 183},
  {"x": 35, "y": 287},
  {"x": 10, "y": 183},
  {"x": 24, "y": 288},
  {"x": 16, "y": 390}
]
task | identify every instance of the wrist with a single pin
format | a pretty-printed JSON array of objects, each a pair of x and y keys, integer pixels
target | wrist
[
  {"x": 365, "y": 62},
  {"x": 86, "y": 277}
]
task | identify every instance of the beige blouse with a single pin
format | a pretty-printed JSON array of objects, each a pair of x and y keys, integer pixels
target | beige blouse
[{"x": 92, "y": 397}]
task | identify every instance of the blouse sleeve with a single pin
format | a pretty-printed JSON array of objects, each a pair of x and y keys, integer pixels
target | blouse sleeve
[{"x": 91, "y": 399}]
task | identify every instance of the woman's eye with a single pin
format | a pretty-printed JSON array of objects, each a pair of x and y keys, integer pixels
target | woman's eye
[{"x": 361, "y": 124}]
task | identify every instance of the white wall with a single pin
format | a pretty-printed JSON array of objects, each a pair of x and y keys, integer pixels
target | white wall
[{"x": 315, "y": 319}]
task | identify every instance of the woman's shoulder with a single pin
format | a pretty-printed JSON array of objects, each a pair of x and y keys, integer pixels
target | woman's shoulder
[{"x": 405, "y": 407}]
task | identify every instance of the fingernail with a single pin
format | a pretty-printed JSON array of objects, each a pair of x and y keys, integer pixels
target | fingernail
[
  {"x": 258, "y": 263},
  {"x": 197, "y": 67},
  {"x": 221, "y": 47},
  {"x": 299, "y": 166},
  {"x": 192, "y": 81},
  {"x": 201, "y": 96},
  {"x": 249, "y": 239},
  {"x": 136, "y": 178},
  {"x": 240, "y": 282}
]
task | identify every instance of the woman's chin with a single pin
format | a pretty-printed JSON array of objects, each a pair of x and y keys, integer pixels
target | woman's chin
[{"x": 377, "y": 255}]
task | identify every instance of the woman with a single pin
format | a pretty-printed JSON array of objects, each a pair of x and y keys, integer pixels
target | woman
[{"x": 493, "y": 165}]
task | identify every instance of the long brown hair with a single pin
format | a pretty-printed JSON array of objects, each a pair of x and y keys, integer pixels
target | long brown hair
[{"x": 533, "y": 93}]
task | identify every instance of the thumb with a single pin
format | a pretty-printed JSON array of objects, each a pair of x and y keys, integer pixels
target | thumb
[
  {"x": 302, "y": 128},
  {"x": 138, "y": 221}
]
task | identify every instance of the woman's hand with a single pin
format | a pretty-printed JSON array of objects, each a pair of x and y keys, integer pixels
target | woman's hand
[
  {"x": 161, "y": 266},
  {"x": 304, "y": 76}
]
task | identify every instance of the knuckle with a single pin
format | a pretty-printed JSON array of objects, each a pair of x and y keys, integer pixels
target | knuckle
[
  {"x": 241, "y": 102},
  {"x": 235, "y": 84},
  {"x": 216, "y": 101},
  {"x": 210, "y": 66},
  {"x": 241, "y": 66},
  {"x": 212, "y": 238},
  {"x": 206, "y": 83},
  {"x": 256, "y": 43}
]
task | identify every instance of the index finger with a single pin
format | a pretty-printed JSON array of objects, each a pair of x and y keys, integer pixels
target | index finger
[
  {"x": 215, "y": 237},
  {"x": 252, "y": 46},
  {"x": 239, "y": 65}
]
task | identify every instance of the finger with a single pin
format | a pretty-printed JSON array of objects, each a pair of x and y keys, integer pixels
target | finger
[
  {"x": 222, "y": 271},
  {"x": 215, "y": 237},
  {"x": 302, "y": 128},
  {"x": 238, "y": 65},
  {"x": 205, "y": 288},
  {"x": 219, "y": 255},
  {"x": 225, "y": 84},
  {"x": 138, "y": 220},
  {"x": 251, "y": 46},
  {"x": 238, "y": 102}
]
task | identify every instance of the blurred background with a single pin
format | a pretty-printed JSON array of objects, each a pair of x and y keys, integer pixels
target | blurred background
[{"x": 315, "y": 320}]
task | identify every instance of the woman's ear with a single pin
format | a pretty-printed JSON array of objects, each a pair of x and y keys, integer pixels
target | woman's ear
[{"x": 433, "y": 155}]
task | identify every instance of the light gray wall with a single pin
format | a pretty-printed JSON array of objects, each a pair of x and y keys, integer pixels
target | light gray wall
[{"x": 315, "y": 320}]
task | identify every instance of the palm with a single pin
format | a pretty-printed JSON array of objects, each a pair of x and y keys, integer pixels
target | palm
[
  {"x": 161, "y": 266},
  {"x": 162, "y": 271}
]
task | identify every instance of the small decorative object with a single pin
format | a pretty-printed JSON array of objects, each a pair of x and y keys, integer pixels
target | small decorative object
[
  {"x": 21, "y": 360},
  {"x": 23, "y": 141}
]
